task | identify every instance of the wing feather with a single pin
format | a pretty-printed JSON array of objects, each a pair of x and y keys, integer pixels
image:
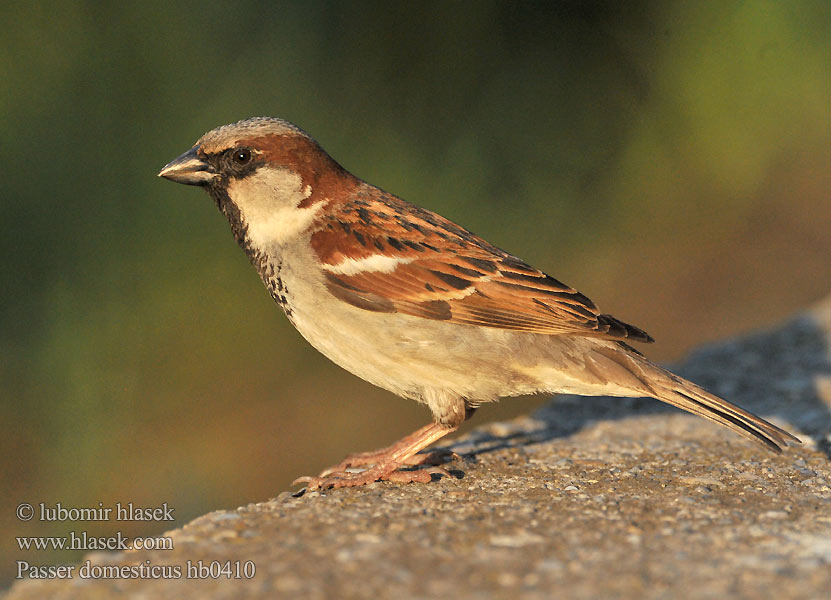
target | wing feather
[{"x": 435, "y": 269}]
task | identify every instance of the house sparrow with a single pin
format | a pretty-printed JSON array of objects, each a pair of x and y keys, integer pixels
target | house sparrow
[{"x": 415, "y": 304}]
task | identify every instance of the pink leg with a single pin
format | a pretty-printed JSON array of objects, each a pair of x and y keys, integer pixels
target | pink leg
[
  {"x": 387, "y": 463},
  {"x": 374, "y": 457}
]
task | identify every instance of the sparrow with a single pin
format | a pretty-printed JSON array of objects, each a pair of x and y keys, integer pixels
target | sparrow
[{"x": 416, "y": 304}]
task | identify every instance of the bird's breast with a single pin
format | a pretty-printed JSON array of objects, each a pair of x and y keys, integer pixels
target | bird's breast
[{"x": 271, "y": 275}]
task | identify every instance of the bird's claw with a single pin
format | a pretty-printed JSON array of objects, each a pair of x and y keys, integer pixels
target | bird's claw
[
  {"x": 390, "y": 471},
  {"x": 434, "y": 458}
]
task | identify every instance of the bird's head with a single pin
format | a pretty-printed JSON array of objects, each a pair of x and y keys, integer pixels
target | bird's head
[{"x": 267, "y": 176}]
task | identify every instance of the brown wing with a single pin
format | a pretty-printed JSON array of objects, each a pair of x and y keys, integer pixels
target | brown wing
[{"x": 392, "y": 256}]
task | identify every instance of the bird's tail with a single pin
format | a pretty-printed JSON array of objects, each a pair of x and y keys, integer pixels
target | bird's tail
[{"x": 659, "y": 383}]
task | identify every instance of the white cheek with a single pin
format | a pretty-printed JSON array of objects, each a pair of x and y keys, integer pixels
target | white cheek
[{"x": 268, "y": 202}]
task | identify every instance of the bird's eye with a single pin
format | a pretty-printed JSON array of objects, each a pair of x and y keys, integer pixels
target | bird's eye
[{"x": 242, "y": 156}]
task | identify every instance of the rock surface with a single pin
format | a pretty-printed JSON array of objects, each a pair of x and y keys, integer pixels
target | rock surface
[{"x": 587, "y": 498}]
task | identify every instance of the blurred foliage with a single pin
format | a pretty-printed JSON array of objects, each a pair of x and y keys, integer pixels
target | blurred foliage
[{"x": 669, "y": 159}]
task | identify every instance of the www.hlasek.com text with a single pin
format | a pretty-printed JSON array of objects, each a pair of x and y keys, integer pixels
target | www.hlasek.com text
[{"x": 83, "y": 541}]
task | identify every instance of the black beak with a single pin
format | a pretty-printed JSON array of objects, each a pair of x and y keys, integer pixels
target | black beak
[{"x": 188, "y": 169}]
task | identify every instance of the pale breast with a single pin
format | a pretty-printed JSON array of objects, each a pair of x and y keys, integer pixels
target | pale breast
[{"x": 401, "y": 353}]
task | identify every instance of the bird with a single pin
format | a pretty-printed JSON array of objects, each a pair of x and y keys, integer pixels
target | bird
[{"x": 415, "y": 304}]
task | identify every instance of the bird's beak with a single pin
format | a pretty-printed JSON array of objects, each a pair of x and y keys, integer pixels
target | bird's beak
[{"x": 188, "y": 169}]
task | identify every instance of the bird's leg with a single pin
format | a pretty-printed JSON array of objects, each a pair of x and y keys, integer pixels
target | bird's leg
[
  {"x": 387, "y": 462},
  {"x": 373, "y": 457},
  {"x": 363, "y": 459}
]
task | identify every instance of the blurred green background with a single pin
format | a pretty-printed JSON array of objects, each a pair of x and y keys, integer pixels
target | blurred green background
[{"x": 672, "y": 160}]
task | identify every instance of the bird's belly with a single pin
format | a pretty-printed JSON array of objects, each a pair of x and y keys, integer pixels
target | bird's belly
[{"x": 402, "y": 353}]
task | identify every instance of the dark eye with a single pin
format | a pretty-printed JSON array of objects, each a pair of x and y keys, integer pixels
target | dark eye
[{"x": 242, "y": 156}]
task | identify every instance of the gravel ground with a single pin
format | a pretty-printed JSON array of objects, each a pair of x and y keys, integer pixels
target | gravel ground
[{"x": 587, "y": 498}]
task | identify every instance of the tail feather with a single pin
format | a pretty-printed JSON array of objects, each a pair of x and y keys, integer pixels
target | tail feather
[
  {"x": 672, "y": 389},
  {"x": 692, "y": 398}
]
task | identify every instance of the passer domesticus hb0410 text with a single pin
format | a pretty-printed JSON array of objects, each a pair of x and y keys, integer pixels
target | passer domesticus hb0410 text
[{"x": 414, "y": 303}]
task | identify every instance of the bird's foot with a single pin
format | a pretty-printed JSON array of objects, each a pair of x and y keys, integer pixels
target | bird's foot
[
  {"x": 377, "y": 457},
  {"x": 388, "y": 471},
  {"x": 389, "y": 464}
]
